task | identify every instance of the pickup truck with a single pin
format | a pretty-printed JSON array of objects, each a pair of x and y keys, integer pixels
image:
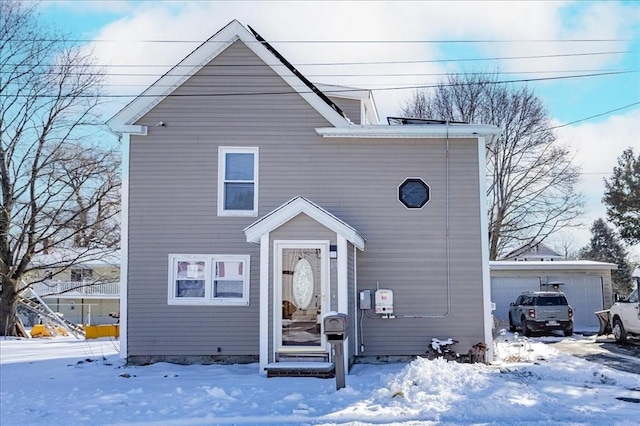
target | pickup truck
[{"x": 622, "y": 319}]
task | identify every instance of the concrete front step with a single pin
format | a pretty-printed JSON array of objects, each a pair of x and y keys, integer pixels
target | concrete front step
[{"x": 321, "y": 370}]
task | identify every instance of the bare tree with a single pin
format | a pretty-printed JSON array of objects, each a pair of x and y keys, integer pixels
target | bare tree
[
  {"x": 57, "y": 189},
  {"x": 565, "y": 245},
  {"x": 531, "y": 179}
]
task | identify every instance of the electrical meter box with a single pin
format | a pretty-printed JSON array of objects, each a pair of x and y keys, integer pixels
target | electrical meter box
[
  {"x": 365, "y": 299},
  {"x": 384, "y": 301}
]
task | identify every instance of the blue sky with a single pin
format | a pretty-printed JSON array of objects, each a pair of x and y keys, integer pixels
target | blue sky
[{"x": 543, "y": 33}]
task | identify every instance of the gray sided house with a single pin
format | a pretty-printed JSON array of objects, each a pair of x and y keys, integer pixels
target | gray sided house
[{"x": 255, "y": 202}]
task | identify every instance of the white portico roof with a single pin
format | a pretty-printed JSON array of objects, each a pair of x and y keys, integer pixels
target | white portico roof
[{"x": 293, "y": 208}]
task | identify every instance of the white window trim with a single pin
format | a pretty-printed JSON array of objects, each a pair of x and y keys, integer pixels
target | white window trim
[
  {"x": 222, "y": 151},
  {"x": 208, "y": 298}
]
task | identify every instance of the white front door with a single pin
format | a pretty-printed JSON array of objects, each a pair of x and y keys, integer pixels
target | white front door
[{"x": 300, "y": 295}]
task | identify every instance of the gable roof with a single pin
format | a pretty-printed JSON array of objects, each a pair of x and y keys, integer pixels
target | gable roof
[
  {"x": 123, "y": 121},
  {"x": 293, "y": 208},
  {"x": 536, "y": 251}
]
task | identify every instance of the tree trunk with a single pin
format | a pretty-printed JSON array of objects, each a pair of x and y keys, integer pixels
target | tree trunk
[{"x": 8, "y": 307}]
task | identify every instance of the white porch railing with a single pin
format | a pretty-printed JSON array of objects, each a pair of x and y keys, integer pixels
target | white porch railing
[{"x": 76, "y": 288}]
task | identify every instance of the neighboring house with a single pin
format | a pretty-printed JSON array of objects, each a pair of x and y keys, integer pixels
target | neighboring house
[
  {"x": 85, "y": 293},
  {"x": 586, "y": 283},
  {"x": 255, "y": 202},
  {"x": 537, "y": 252}
]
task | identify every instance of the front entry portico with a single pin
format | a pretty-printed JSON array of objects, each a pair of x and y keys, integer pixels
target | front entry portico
[{"x": 307, "y": 269}]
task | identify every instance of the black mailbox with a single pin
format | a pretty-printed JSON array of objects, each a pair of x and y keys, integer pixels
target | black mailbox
[{"x": 335, "y": 327}]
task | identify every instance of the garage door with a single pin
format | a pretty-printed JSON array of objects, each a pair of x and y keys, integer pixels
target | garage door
[
  {"x": 585, "y": 296},
  {"x": 505, "y": 290}
]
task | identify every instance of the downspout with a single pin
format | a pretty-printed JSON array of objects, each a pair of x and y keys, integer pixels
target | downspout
[{"x": 447, "y": 240}]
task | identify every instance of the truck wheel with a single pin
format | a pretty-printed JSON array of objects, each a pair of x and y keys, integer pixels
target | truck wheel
[
  {"x": 512, "y": 327},
  {"x": 618, "y": 331},
  {"x": 525, "y": 330},
  {"x": 568, "y": 332}
]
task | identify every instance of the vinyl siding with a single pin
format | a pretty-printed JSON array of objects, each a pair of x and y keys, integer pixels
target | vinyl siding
[
  {"x": 351, "y": 108},
  {"x": 173, "y": 185},
  {"x": 351, "y": 306}
]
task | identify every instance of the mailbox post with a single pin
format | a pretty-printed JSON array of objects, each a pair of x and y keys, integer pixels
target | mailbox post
[{"x": 336, "y": 326}]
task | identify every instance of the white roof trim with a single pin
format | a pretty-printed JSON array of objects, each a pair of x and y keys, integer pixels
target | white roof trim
[
  {"x": 410, "y": 131},
  {"x": 129, "y": 128},
  {"x": 363, "y": 95},
  {"x": 553, "y": 265},
  {"x": 343, "y": 91},
  {"x": 293, "y": 208},
  {"x": 203, "y": 55}
]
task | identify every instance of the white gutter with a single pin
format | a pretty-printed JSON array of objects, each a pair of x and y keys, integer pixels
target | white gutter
[
  {"x": 556, "y": 265},
  {"x": 410, "y": 131},
  {"x": 132, "y": 129}
]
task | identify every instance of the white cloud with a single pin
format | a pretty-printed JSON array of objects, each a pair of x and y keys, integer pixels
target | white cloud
[
  {"x": 597, "y": 147},
  {"x": 285, "y": 24}
]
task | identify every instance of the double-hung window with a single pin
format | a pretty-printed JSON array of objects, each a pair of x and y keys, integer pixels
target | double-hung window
[
  {"x": 208, "y": 279},
  {"x": 237, "y": 181}
]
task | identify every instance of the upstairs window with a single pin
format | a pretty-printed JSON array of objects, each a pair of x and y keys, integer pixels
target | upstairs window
[
  {"x": 414, "y": 193},
  {"x": 237, "y": 181},
  {"x": 80, "y": 274}
]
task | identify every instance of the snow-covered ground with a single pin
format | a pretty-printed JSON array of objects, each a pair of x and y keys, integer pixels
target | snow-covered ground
[{"x": 64, "y": 381}]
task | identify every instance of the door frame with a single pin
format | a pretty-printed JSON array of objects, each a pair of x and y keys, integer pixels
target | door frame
[{"x": 325, "y": 290}]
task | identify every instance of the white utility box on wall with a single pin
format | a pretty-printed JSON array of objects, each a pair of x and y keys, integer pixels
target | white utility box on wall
[{"x": 384, "y": 301}]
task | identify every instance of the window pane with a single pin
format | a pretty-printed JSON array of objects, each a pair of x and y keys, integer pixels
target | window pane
[
  {"x": 239, "y": 167},
  {"x": 189, "y": 288},
  {"x": 192, "y": 270},
  {"x": 413, "y": 194},
  {"x": 228, "y": 288},
  {"x": 238, "y": 196},
  {"x": 230, "y": 270},
  {"x": 76, "y": 275}
]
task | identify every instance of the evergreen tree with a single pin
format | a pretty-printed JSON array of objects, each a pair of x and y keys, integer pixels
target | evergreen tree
[
  {"x": 605, "y": 246},
  {"x": 622, "y": 196}
]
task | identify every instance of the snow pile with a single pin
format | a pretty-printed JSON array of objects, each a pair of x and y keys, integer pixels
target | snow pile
[{"x": 65, "y": 381}]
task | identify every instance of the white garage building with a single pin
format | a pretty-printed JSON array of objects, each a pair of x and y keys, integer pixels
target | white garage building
[{"x": 587, "y": 285}]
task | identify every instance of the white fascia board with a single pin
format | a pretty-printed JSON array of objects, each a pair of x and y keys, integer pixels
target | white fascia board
[
  {"x": 294, "y": 207},
  {"x": 410, "y": 131},
  {"x": 343, "y": 91},
  {"x": 120, "y": 129},
  {"x": 372, "y": 110},
  {"x": 555, "y": 265},
  {"x": 363, "y": 95},
  {"x": 177, "y": 75},
  {"x": 203, "y": 55}
]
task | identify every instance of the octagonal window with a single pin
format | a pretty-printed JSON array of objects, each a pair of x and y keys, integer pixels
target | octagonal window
[{"x": 413, "y": 193}]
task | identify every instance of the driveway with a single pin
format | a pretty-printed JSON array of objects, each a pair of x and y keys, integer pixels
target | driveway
[{"x": 601, "y": 349}]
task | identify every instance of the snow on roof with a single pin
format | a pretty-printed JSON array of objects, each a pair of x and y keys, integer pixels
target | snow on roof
[
  {"x": 503, "y": 265},
  {"x": 80, "y": 257}
]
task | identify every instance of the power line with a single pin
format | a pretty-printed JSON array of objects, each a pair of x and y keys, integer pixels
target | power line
[
  {"x": 423, "y": 86},
  {"x": 426, "y": 41},
  {"x": 354, "y": 74},
  {"x": 426, "y": 61},
  {"x": 595, "y": 116}
]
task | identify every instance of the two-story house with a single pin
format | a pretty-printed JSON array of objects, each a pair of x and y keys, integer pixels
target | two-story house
[{"x": 255, "y": 202}]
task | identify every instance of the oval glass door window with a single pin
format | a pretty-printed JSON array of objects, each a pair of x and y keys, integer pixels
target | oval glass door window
[{"x": 302, "y": 284}]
